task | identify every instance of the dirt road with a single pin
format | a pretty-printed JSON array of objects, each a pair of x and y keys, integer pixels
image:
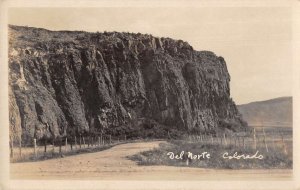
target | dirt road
[{"x": 112, "y": 164}]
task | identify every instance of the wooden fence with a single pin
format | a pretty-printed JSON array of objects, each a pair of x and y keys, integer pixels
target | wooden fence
[
  {"x": 39, "y": 149},
  {"x": 252, "y": 141},
  {"x": 42, "y": 149}
]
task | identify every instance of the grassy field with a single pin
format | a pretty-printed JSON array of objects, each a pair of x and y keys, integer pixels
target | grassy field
[
  {"x": 158, "y": 156},
  {"x": 275, "y": 145}
]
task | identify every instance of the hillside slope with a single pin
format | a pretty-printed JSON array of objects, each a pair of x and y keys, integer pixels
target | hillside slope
[{"x": 274, "y": 112}]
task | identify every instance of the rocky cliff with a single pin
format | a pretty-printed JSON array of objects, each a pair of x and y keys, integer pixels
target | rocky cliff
[{"x": 65, "y": 83}]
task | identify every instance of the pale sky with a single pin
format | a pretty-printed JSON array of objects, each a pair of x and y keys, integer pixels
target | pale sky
[{"x": 256, "y": 42}]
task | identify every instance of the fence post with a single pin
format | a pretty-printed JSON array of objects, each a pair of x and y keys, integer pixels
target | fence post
[
  {"x": 221, "y": 140},
  {"x": 20, "y": 147},
  {"x": 241, "y": 141},
  {"x": 88, "y": 141},
  {"x": 60, "y": 145},
  {"x": 34, "y": 145},
  {"x": 80, "y": 141},
  {"x": 12, "y": 148},
  {"x": 235, "y": 141},
  {"x": 83, "y": 142},
  {"x": 53, "y": 146},
  {"x": 75, "y": 142},
  {"x": 125, "y": 137},
  {"x": 283, "y": 144},
  {"x": 254, "y": 138},
  {"x": 109, "y": 139},
  {"x": 66, "y": 144},
  {"x": 273, "y": 142},
  {"x": 45, "y": 146},
  {"x": 265, "y": 140},
  {"x": 225, "y": 141}
]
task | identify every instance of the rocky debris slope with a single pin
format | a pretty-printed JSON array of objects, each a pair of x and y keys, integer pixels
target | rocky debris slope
[{"x": 66, "y": 83}]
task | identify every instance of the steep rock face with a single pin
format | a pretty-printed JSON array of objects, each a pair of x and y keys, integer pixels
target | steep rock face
[{"x": 66, "y": 83}]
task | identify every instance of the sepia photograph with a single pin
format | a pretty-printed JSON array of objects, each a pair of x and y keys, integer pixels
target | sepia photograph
[{"x": 140, "y": 91}]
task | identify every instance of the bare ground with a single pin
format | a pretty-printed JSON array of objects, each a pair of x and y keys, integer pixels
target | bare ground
[{"x": 112, "y": 164}]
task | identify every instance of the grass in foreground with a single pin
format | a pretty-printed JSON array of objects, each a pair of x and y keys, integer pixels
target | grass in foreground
[{"x": 274, "y": 159}]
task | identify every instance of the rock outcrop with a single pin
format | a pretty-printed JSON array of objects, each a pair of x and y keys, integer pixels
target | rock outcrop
[{"x": 67, "y": 83}]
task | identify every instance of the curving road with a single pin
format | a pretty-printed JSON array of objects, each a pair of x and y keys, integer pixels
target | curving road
[{"x": 112, "y": 164}]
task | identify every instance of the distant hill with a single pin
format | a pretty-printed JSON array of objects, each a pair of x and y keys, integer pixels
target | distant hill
[{"x": 274, "y": 112}]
